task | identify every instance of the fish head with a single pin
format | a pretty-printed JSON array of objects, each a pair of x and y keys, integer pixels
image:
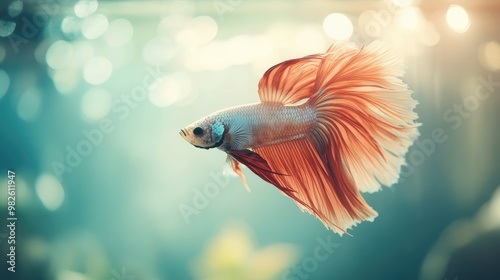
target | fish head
[{"x": 206, "y": 133}]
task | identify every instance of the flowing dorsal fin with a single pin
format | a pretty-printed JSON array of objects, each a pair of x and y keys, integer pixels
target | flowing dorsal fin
[{"x": 289, "y": 82}]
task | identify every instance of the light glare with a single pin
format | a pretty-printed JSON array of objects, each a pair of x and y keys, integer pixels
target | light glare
[
  {"x": 59, "y": 54},
  {"x": 94, "y": 26},
  {"x": 171, "y": 89},
  {"x": 409, "y": 18},
  {"x": 457, "y": 18},
  {"x": 200, "y": 30},
  {"x": 489, "y": 55},
  {"x": 119, "y": 32},
  {"x": 85, "y": 8},
  {"x": 96, "y": 104},
  {"x": 338, "y": 26},
  {"x": 71, "y": 25},
  {"x": 159, "y": 51},
  {"x": 97, "y": 70},
  {"x": 66, "y": 80},
  {"x": 28, "y": 105},
  {"x": 50, "y": 191},
  {"x": 310, "y": 39}
]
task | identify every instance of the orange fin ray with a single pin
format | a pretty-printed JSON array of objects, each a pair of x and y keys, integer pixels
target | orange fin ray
[
  {"x": 332, "y": 198},
  {"x": 257, "y": 165},
  {"x": 364, "y": 112},
  {"x": 289, "y": 82},
  {"x": 365, "y": 125}
]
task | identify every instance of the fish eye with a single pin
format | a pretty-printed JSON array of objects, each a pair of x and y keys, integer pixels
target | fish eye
[{"x": 197, "y": 131}]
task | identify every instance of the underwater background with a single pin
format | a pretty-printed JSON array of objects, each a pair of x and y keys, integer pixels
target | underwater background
[{"x": 93, "y": 95}]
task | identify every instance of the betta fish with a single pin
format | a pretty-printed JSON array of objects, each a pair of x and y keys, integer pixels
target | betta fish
[{"x": 328, "y": 127}]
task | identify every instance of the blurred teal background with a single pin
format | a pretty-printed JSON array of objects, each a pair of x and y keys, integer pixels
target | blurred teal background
[{"x": 93, "y": 94}]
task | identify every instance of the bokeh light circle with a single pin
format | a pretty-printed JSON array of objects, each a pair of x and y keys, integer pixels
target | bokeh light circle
[
  {"x": 199, "y": 30},
  {"x": 96, "y": 103},
  {"x": 49, "y": 191},
  {"x": 457, "y": 18},
  {"x": 71, "y": 25},
  {"x": 489, "y": 55},
  {"x": 59, "y": 54},
  {"x": 28, "y": 105},
  {"x": 409, "y": 18},
  {"x": 119, "y": 32},
  {"x": 94, "y": 26},
  {"x": 4, "y": 83},
  {"x": 159, "y": 51},
  {"x": 338, "y": 26},
  {"x": 15, "y": 8},
  {"x": 170, "y": 89},
  {"x": 6, "y": 27},
  {"x": 85, "y": 8},
  {"x": 97, "y": 70}
]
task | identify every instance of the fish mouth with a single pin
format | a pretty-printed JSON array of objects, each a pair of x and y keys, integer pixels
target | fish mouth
[{"x": 183, "y": 132}]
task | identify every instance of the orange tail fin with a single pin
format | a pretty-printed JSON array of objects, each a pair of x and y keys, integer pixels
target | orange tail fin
[
  {"x": 365, "y": 125},
  {"x": 365, "y": 113}
]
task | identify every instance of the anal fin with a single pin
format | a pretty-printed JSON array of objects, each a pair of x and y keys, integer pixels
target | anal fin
[
  {"x": 319, "y": 186},
  {"x": 257, "y": 165}
]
